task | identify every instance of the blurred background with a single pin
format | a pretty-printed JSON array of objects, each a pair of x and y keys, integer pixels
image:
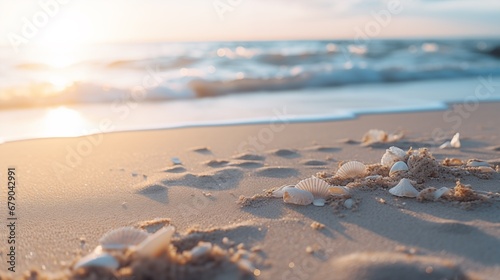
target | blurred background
[{"x": 75, "y": 67}]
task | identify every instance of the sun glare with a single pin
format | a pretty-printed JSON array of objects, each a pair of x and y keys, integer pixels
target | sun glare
[{"x": 63, "y": 122}]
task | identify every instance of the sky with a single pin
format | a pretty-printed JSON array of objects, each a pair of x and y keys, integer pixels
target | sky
[{"x": 49, "y": 22}]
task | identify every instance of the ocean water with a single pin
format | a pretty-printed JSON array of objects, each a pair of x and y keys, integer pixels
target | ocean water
[{"x": 70, "y": 91}]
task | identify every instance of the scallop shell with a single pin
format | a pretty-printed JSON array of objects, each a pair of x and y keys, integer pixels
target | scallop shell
[
  {"x": 200, "y": 250},
  {"x": 477, "y": 163},
  {"x": 122, "y": 238},
  {"x": 156, "y": 243},
  {"x": 98, "y": 259},
  {"x": 392, "y": 155},
  {"x": 316, "y": 186},
  {"x": 298, "y": 196},
  {"x": 351, "y": 169},
  {"x": 444, "y": 191},
  {"x": 397, "y": 167},
  {"x": 278, "y": 193},
  {"x": 404, "y": 189}
]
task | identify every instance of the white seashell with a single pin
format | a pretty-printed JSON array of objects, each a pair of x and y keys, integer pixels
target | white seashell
[
  {"x": 156, "y": 243},
  {"x": 440, "y": 192},
  {"x": 348, "y": 203},
  {"x": 351, "y": 169},
  {"x": 298, "y": 196},
  {"x": 404, "y": 188},
  {"x": 397, "y": 167},
  {"x": 392, "y": 155},
  {"x": 200, "y": 250},
  {"x": 320, "y": 202},
  {"x": 122, "y": 238},
  {"x": 278, "y": 193},
  {"x": 338, "y": 190},
  {"x": 446, "y": 145},
  {"x": 98, "y": 259},
  {"x": 316, "y": 186},
  {"x": 374, "y": 136},
  {"x": 477, "y": 163},
  {"x": 455, "y": 141}
]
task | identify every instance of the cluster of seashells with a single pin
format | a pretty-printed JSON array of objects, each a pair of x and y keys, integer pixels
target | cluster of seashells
[
  {"x": 316, "y": 191},
  {"x": 118, "y": 242},
  {"x": 394, "y": 158}
]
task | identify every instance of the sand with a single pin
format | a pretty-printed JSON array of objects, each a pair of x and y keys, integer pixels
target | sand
[{"x": 72, "y": 191}]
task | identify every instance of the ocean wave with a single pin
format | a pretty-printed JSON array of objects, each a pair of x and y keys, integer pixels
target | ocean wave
[{"x": 190, "y": 70}]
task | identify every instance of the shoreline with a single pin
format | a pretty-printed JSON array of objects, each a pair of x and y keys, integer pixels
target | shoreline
[
  {"x": 129, "y": 178},
  {"x": 322, "y": 105}
]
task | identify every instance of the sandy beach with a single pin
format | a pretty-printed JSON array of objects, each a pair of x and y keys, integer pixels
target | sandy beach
[{"x": 71, "y": 191}]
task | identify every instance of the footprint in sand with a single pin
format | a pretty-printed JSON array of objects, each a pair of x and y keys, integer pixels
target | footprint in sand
[
  {"x": 276, "y": 172},
  {"x": 249, "y": 156},
  {"x": 202, "y": 150},
  {"x": 313, "y": 162},
  {"x": 152, "y": 190},
  {"x": 221, "y": 179},
  {"x": 323, "y": 149},
  {"x": 175, "y": 169},
  {"x": 216, "y": 163},
  {"x": 286, "y": 153},
  {"x": 388, "y": 265},
  {"x": 246, "y": 164}
]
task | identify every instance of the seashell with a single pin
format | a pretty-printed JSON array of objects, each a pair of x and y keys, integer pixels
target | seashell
[
  {"x": 348, "y": 203},
  {"x": 452, "y": 162},
  {"x": 446, "y": 145},
  {"x": 98, "y": 259},
  {"x": 455, "y": 141},
  {"x": 320, "y": 202},
  {"x": 122, "y": 238},
  {"x": 338, "y": 190},
  {"x": 200, "y": 250},
  {"x": 477, "y": 163},
  {"x": 392, "y": 155},
  {"x": 486, "y": 169},
  {"x": 397, "y": 167},
  {"x": 374, "y": 136},
  {"x": 444, "y": 191},
  {"x": 351, "y": 169},
  {"x": 298, "y": 196},
  {"x": 316, "y": 186},
  {"x": 404, "y": 189},
  {"x": 155, "y": 243},
  {"x": 278, "y": 193}
]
